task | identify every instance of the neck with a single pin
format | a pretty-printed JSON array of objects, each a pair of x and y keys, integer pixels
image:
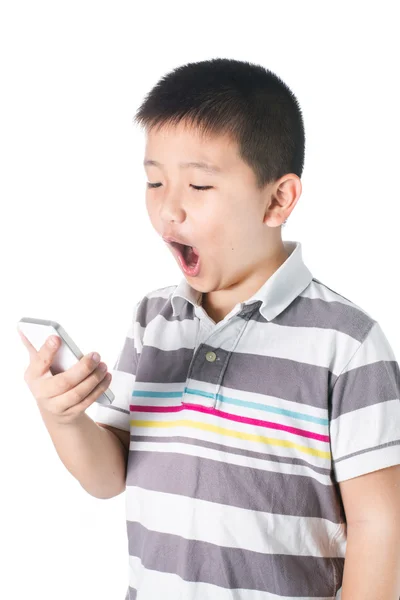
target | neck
[{"x": 219, "y": 303}]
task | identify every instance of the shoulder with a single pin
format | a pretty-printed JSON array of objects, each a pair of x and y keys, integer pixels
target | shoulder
[
  {"x": 347, "y": 326},
  {"x": 338, "y": 312},
  {"x": 153, "y": 303}
]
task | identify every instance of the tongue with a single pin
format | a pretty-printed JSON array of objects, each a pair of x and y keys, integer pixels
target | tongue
[{"x": 191, "y": 256}]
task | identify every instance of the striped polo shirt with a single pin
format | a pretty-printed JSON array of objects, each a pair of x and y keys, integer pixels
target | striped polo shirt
[{"x": 240, "y": 432}]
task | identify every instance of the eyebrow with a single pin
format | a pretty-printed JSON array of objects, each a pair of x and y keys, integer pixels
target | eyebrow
[{"x": 203, "y": 166}]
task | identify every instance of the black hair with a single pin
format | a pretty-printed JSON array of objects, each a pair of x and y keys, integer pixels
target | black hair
[{"x": 243, "y": 100}]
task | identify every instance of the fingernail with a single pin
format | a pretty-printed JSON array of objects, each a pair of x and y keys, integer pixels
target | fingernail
[
  {"x": 95, "y": 357},
  {"x": 53, "y": 341}
]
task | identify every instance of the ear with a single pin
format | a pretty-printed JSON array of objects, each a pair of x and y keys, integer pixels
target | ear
[{"x": 283, "y": 198}]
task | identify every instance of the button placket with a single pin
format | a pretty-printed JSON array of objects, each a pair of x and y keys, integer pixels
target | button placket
[{"x": 217, "y": 361}]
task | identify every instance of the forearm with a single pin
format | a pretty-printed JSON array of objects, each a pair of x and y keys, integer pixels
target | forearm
[
  {"x": 92, "y": 454},
  {"x": 372, "y": 563}
]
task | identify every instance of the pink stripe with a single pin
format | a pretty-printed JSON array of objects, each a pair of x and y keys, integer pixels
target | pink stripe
[{"x": 230, "y": 417}]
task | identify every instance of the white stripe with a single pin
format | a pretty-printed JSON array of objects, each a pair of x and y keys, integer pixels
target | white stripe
[
  {"x": 230, "y": 526},
  {"x": 309, "y": 345},
  {"x": 373, "y": 460},
  {"x": 171, "y": 335},
  {"x": 365, "y": 428},
  {"x": 232, "y": 440},
  {"x": 375, "y": 347},
  {"x": 121, "y": 385},
  {"x": 275, "y": 417}
]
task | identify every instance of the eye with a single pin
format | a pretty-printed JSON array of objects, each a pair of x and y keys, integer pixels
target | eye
[
  {"x": 201, "y": 188},
  {"x": 198, "y": 188}
]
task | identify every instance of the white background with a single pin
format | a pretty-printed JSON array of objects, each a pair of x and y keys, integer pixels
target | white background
[{"x": 76, "y": 243}]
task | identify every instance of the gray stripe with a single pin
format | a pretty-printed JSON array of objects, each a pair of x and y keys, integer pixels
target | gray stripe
[
  {"x": 302, "y": 312},
  {"x": 235, "y": 568},
  {"x": 152, "y": 307},
  {"x": 131, "y": 594},
  {"x": 128, "y": 357},
  {"x": 231, "y": 449},
  {"x": 386, "y": 445},
  {"x": 314, "y": 312},
  {"x": 364, "y": 386},
  {"x": 123, "y": 410},
  {"x": 172, "y": 365},
  {"x": 287, "y": 379},
  {"x": 283, "y": 378},
  {"x": 243, "y": 486}
]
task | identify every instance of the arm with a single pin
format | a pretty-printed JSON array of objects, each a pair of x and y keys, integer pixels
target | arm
[
  {"x": 92, "y": 454},
  {"x": 372, "y": 562}
]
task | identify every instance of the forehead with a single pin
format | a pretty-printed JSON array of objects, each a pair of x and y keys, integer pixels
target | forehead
[{"x": 184, "y": 146}]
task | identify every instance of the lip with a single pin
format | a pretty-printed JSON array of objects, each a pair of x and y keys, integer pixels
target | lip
[{"x": 170, "y": 239}]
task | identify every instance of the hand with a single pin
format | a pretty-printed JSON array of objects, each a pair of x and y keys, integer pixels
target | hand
[{"x": 65, "y": 396}]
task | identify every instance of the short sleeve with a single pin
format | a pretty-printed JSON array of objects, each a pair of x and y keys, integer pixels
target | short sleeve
[
  {"x": 123, "y": 373},
  {"x": 365, "y": 410}
]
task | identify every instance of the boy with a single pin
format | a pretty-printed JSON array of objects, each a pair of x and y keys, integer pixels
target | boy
[{"x": 258, "y": 409}]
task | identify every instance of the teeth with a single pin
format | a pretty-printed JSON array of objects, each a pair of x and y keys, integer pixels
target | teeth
[{"x": 185, "y": 248}]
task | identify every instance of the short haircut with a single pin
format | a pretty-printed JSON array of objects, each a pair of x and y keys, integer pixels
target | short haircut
[{"x": 240, "y": 99}]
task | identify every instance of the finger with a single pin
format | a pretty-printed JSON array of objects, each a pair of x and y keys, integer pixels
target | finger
[
  {"x": 78, "y": 400},
  {"x": 32, "y": 351},
  {"x": 63, "y": 382},
  {"x": 41, "y": 361}
]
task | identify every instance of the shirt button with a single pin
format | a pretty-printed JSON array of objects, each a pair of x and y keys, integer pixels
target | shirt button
[{"x": 211, "y": 356}]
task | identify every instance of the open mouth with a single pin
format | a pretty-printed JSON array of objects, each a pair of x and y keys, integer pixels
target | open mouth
[
  {"x": 188, "y": 258},
  {"x": 189, "y": 254}
]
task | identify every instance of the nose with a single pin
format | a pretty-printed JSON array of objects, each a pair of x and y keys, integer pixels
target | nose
[{"x": 171, "y": 209}]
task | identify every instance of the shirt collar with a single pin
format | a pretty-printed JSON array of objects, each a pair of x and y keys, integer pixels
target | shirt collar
[{"x": 284, "y": 285}]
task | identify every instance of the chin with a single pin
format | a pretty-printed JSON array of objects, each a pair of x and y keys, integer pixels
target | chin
[{"x": 196, "y": 285}]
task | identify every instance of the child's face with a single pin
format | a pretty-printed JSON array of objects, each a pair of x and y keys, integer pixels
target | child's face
[{"x": 233, "y": 225}]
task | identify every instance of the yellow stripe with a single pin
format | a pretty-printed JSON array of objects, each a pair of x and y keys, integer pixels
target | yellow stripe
[{"x": 229, "y": 433}]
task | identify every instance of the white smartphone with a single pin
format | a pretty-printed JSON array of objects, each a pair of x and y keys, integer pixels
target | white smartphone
[{"x": 38, "y": 330}]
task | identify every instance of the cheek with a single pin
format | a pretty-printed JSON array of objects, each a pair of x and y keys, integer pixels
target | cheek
[
  {"x": 150, "y": 202},
  {"x": 222, "y": 239},
  {"x": 241, "y": 237},
  {"x": 152, "y": 210}
]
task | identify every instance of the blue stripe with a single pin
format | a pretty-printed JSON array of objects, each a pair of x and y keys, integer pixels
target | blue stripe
[
  {"x": 273, "y": 409},
  {"x": 157, "y": 394},
  {"x": 235, "y": 401}
]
